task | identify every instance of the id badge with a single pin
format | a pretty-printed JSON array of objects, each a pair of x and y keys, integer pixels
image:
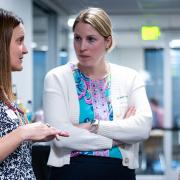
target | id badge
[
  {"x": 122, "y": 105},
  {"x": 11, "y": 114}
]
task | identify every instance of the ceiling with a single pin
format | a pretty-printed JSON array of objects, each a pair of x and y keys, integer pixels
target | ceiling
[
  {"x": 113, "y": 7},
  {"x": 133, "y": 14}
]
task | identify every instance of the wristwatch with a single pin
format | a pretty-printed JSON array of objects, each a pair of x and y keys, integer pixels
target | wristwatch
[{"x": 94, "y": 126}]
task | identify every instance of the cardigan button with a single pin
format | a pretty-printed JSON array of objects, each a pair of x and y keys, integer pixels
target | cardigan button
[
  {"x": 118, "y": 114},
  {"x": 126, "y": 160}
]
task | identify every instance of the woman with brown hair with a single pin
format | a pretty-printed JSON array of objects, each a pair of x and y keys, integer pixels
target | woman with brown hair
[{"x": 16, "y": 135}]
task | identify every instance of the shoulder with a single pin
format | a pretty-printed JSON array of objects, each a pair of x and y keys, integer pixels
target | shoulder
[
  {"x": 123, "y": 71},
  {"x": 126, "y": 76},
  {"x": 59, "y": 77},
  {"x": 59, "y": 72}
]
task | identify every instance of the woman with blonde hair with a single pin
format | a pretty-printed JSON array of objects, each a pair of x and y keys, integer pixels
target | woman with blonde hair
[{"x": 104, "y": 107}]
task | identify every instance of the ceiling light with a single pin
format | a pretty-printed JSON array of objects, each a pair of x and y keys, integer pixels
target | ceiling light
[
  {"x": 174, "y": 43},
  {"x": 33, "y": 45},
  {"x": 70, "y": 22}
]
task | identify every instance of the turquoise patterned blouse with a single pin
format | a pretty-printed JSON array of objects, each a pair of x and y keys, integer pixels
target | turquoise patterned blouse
[{"x": 95, "y": 103}]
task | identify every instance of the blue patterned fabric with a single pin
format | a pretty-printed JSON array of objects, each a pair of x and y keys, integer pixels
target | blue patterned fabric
[{"x": 95, "y": 103}]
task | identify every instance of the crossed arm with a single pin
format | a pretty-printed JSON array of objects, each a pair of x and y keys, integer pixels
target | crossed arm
[{"x": 89, "y": 126}]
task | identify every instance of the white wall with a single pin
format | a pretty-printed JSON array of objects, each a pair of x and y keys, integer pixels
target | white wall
[
  {"x": 130, "y": 57},
  {"x": 23, "y": 80}
]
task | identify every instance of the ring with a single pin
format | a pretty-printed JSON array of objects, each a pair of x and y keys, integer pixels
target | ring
[{"x": 48, "y": 125}]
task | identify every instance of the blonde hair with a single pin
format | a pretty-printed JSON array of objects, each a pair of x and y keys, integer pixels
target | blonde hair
[{"x": 98, "y": 19}]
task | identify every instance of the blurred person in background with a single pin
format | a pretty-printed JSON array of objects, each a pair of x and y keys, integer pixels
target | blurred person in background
[{"x": 158, "y": 113}]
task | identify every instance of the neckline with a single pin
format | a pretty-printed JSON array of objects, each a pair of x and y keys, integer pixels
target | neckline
[{"x": 76, "y": 67}]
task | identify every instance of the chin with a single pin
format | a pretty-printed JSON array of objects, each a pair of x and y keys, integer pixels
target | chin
[
  {"x": 86, "y": 63},
  {"x": 17, "y": 69}
]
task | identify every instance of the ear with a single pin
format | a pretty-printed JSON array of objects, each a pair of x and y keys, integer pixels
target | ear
[{"x": 108, "y": 42}]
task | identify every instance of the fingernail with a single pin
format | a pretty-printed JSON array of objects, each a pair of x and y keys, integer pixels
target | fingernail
[{"x": 57, "y": 137}]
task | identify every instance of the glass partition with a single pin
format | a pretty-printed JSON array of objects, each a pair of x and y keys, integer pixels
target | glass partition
[
  {"x": 175, "y": 66},
  {"x": 152, "y": 152},
  {"x": 152, "y": 160}
]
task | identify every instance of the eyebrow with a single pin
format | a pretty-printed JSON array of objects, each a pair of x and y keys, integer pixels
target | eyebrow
[
  {"x": 20, "y": 37},
  {"x": 92, "y": 35}
]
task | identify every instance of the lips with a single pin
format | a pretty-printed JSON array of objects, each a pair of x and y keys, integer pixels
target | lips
[
  {"x": 84, "y": 56},
  {"x": 21, "y": 59}
]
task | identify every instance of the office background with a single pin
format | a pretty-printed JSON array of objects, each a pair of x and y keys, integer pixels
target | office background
[{"x": 49, "y": 40}]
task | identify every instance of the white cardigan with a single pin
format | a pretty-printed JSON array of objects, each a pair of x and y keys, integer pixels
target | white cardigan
[{"x": 61, "y": 107}]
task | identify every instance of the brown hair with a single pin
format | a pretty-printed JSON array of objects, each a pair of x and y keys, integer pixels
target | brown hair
[
  {"x": 98, "y": 19},
  {"x": 8, "y": 21}
]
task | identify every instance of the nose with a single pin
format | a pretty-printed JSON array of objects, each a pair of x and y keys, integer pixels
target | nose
[
  {"x": 25, "y": 50},
  {"x": 83, "y": 45}
]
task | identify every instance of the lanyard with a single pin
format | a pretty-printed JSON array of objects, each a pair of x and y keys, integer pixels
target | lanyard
[{"x": 18, "y": 112}]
